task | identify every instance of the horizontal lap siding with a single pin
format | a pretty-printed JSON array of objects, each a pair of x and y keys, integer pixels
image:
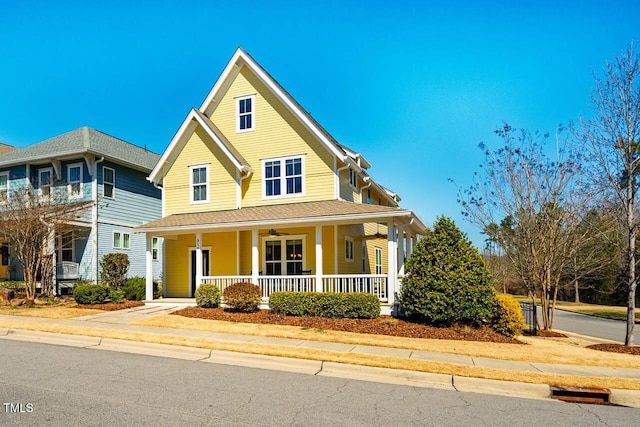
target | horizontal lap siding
[
  {"x": 200, "y": 149},
  {"x": 354, "y": 231},
  {"x": 277, "y": 133},
  {"x": 177, "y": 262},
  {"x": 137, "y": 253},
  {"x": 222, "y": 252}
]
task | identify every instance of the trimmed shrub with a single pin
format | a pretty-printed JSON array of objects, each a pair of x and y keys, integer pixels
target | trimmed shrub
[
  {"x": 116, "y": 296},
  {"x": 507, "y": 316},
  {"x": 446, "y": 280},
  {"x": 114, "y": 267},
  {"x": 90, "y": 294},
  {"x": 208, "y": 296},
  {"x": 331, "y": 304},
  {"x": 135, "y": 289},
  {"x": 244, "y": 297}
]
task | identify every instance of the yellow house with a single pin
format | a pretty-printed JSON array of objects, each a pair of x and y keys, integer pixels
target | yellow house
[{"x": 254, "y": 189}]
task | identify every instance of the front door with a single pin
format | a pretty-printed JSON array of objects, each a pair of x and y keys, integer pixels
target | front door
[
  {"x": 192, "y": 270},
  {"x": 4, "y": 261}
]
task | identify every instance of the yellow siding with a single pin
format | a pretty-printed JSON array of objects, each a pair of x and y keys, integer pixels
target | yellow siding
[
  {"x": 177, "y": 265},
  {"x": 347, "y": 192},
  {"x": 200, "y": 149},
  {"x": 223, "y": 252},
  {"x": 328, "y": 250},
  {"x": 355, "y": 232},
  {"x": 371, "y": 243},
  {"x": 276, "y": 133}
]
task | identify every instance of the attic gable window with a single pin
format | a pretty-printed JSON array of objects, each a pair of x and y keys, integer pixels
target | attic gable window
[
  {"x": 245, "y": 113},
  {"x": 283, "y": 177}
]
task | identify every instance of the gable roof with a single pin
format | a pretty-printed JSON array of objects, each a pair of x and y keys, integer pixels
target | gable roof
[
  {"x": 5, "y": 149},
  {"x": 84, "y": 140}
]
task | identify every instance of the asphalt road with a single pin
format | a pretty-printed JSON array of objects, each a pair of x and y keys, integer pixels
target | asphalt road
[
  {"x": 50, "y": 385},
  {"x": 592, "y": 326}
]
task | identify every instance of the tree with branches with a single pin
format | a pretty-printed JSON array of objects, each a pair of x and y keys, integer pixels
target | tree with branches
[
  {"x": 29, "y": 219},
  {"x": 526, "y": 203},
  {"x": 611, "y": 140}
]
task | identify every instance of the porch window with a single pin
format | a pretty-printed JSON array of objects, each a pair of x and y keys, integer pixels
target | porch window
[
  {"x": 199, "y": 183},
  {"x": 66, "y": 246},
  {"x": 74, "y": 180},
  {"x": 108, "y": 182},
  {"x": 348, "y": 249},
  {"x": 4, "y": 187},
  {"x": 291, "y": 263},
  {"x": 44, "y": 182},
  {"x": 154, "y": 248},
  {"x": 245, "y": 109},
  {"x": 287, "y": 184},
  {"x": 378, "y": 260}
]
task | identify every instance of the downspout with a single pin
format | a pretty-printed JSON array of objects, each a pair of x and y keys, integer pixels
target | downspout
[
  {"x": 249, "y": 172},
  {"x": 345, "y": 167},
  {"x": 94, "y": 223},
  {"x": 365, "y": 179}
]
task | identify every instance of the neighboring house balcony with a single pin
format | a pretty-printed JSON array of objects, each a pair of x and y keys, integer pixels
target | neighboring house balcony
[{"x": 326, "y": 246}]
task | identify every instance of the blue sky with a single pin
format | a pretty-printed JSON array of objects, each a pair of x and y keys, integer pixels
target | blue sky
[{"x": 414, "y": 86}]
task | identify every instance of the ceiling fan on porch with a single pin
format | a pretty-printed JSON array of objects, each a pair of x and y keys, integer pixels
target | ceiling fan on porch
[
  {"x": 377, "y": 235},
  {"x": 274, "y": 233}
]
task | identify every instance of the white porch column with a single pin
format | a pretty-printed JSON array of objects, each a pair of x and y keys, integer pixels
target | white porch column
[
  {"x": 400, "y": 255},
  {"x": 392, "y": 273},
  {"x": 255, "y": 257},
  {"x": 149, "y": 269},
  {"x": 319, "y": 258},
  {"x": 198, "y": 260}
]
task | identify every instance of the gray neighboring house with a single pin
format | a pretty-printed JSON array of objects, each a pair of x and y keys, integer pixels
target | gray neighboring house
[{"x": 105, "y": 171}]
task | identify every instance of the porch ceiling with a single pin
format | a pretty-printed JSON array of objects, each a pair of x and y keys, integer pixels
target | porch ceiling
[{"x": 326, "y": 212}]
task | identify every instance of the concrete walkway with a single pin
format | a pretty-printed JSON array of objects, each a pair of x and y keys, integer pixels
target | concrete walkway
[{"x": 121, "y": 319}]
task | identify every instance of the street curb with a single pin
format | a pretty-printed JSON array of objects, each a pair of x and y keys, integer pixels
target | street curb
[
  {"x": 153, "y": 349},
  {"x": 51, "y": 338},
  {"x": 389, "y": 376},
  {"x": 503, "y": 388},
  {"x": 259, "y": 361},
  {"x": 625, "y": 397}
]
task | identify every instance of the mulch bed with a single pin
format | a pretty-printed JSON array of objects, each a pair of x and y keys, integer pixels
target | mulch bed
[
  {"x": 111, "y": 306},
  {"x": 384, "y": 325},
  {"x": 617, "y": 348}
]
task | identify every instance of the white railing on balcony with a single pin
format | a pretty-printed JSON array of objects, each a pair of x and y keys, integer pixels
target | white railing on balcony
[
  {"x": 270, "y": 284},
  {"x": 222, "y": 282},
  {"x": 375, "y": 284}
]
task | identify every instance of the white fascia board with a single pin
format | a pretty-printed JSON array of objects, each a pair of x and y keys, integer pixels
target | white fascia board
[
  {"x": 222, "y": 146},
  {"x": 233, "y": 62}
]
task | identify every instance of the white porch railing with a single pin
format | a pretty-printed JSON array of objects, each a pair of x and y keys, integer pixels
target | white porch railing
[{"x": 375, "y": 284}]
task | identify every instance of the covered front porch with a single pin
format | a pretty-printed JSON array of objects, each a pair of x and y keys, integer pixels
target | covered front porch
[{"x": 353, "y": 248}]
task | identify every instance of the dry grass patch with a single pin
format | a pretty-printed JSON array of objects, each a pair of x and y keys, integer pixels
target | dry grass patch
[
  {"x": 48, "y": 311},
  {"x": 333, "y": 356},
  {"x": 540, "y": 350}
]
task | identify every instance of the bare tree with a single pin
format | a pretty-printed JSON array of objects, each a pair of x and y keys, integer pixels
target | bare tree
[
  {"x": 28, "y": 220},
  {"x": 526, "y": 203},
  {"x": 612, "y": 138}
]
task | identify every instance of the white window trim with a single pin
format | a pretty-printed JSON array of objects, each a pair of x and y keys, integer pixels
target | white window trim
[
  {"x": 60, "y": 248},
  {"x": 283, "y": 178},
  {"x": 69, "y": 167},
  {"x": 283, "y": 243},
  {"x": 378, "y": 250},
  {"x": 253, "y": 113},
  {"x": 206, "y": 183},
  {"x": 122, "y": 234},
  {"x": 348, "y": 243},
  {"x": 113, "y": 184},
  {"x": 353, "y": 175},
  {"x": 5, "y": 201},
  {"x": 155, "y": 256},
  {"x": 40, "y": 171}
]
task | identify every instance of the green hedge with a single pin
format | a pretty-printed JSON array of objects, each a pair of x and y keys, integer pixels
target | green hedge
[
  {"x": 333, "y": 305},
  {"x": 90, "y": 294},
  {"x": 135, "y": 289}
]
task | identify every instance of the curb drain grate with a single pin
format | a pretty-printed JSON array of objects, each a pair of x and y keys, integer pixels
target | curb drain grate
[{"x": 598, "y": 396}]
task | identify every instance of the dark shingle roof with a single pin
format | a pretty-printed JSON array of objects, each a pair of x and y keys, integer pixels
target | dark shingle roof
[{"x": 85, "y": 140}]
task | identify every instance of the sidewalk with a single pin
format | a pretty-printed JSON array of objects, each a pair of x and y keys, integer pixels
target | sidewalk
[{"x": 120, "y": 320}]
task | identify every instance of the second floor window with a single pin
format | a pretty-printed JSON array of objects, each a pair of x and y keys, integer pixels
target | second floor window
[
  {"x": 283, "y": 177},
  {"x": 121, "y": 240},
  {"x": 74, "y": 180},
  {"x": 245, "y": 110},
  {"x": 353, "y": 178},
  {"x": 4, "y": 187},
  {"x": 108, "y": 182},
  {"x": 44, "y": 181},
  {"x": 199, "y": 184}
]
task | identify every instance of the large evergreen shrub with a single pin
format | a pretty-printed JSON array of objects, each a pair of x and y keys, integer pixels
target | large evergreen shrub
[
  {"x": 446, "y": 280},
  {"x": 114, "y": 267}
]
